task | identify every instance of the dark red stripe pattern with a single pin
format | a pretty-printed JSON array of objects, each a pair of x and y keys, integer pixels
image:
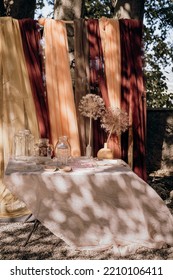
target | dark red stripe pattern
[
  {"x": 133, "y": 93},
  {"x": 31, "y": 36}
]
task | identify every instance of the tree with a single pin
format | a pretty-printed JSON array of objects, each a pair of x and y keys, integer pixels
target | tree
[
  {"x": 18, "y": 8},
  {"x": 128, "y": 9},
  {"x": 115, "y": 8},
  {"x": 158, "y": 49},
  {"x": 68, "y": 10}
]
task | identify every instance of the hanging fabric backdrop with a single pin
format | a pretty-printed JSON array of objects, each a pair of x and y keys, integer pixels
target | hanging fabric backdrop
[
  {"x": 36, "y": 89},
  {"x": 17, "y": 109}
]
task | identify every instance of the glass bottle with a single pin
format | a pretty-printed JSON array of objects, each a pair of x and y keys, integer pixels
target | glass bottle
[{"x": 62, "y": 150}]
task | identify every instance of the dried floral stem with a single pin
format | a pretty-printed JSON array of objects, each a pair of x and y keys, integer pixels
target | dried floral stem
[
  {"x": 93, "y": 107},
  {"x": 90, "y": 131},
  {"x": 110, "y": 134},
  {"x": 114, "y": 121}
]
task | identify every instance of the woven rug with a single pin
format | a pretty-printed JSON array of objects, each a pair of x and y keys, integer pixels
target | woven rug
[{"x": 43, "y": 245}]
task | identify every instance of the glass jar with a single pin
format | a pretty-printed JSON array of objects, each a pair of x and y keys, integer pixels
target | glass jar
[
  {"x": 42, "y": 147},
  {"x": 23, "y": 144},
  {"x": 62, "y": 150}
]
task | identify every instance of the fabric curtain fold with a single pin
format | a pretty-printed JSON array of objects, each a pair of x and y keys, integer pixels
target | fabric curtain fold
[
  {"x": 105, "y": 49},
  {"x": 81, "y": 54},
  {"x": 62, "y": 111},
  {"x": 110, "y": 38},
  {"x": 17, "y": 109},
  {"x": 97, "y": 77},
  {"x": 31, "y": 45},
  {"x": 133, "y": 97}
]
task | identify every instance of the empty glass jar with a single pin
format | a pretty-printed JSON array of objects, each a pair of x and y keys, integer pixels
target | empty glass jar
[
  {"x": 23, "y": 144},
  {"x": 62, "y": 150}
]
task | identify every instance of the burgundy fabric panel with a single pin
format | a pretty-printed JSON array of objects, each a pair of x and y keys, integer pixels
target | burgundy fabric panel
[
  {"x": 30, "y": 39},
  {"x": 97, "y": 77},
  {"x": 133, "y": 93}
]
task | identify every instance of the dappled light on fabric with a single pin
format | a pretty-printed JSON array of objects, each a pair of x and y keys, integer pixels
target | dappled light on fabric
[
  {"x": 108, "y": 56},
  {"x": 31, "y": 37},
  {"x": 107, "y": 206},
  {"x": 17, "y": 110},
  {"x": 81, "y": 82},
  {"x": 97, "y": 77},
  {"x": 133, "y": 96},
  {"x": 110, "y": 38},
  {"x": 61, "y": 106}
]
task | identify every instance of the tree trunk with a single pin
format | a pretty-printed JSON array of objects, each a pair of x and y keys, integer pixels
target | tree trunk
[
  {"x": 18, "y": 8},
  {"x": 128, "y": 9},
  {"x": 68, "y": 10}
]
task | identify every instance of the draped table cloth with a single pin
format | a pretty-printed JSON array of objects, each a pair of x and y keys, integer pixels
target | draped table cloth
[{"x": 97, "y": 205}]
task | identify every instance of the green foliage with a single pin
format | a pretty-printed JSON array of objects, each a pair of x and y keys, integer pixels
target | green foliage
[
  {"x": 97, "y": 9},
  {"x": 158, "y": 49}
]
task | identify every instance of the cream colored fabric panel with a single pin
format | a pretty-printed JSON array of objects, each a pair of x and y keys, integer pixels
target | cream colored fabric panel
[
  {"x": 17, "y": 110},
  {"x": 62, "y": 111}
]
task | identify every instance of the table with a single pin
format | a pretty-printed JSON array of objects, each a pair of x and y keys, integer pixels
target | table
[{"x": 97, "y": 205}]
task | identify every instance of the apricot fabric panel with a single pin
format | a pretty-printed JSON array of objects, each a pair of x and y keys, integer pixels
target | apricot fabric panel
[
  {"x": 60, "y": 96},
  {"x": 110, "y": 38}
]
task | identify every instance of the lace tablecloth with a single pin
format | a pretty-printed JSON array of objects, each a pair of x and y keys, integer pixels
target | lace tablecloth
[{"x": 96, "y": 205}]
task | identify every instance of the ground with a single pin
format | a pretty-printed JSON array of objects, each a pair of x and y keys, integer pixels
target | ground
[{"x": 43, "y": 245}]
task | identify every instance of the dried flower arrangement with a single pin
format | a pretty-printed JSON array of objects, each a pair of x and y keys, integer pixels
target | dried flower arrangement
[
  {"x": 93, "y": 107},
  {"x": 114, "y": 120}
]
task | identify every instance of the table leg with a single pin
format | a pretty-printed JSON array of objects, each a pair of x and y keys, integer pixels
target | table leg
[
  {"x": 28, "y": 217},
  {"x": 35, "y": 226}
]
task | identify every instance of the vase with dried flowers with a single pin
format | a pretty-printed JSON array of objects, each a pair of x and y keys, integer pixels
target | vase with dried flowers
[
  {"x": 114, "y": 120},
  {"x": 91, "y": 106}
]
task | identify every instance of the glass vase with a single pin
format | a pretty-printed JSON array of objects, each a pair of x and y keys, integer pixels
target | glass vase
[
  {"x": 62, "y": 150},
  {"x": 88, "y": 151}
]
